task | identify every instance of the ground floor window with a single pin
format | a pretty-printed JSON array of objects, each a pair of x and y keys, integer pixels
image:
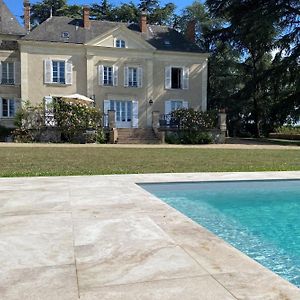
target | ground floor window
[
  {"x": 123, "y": 110},
  {"x": 7, "y": 108},
  {"x": 172, "y": 105}
]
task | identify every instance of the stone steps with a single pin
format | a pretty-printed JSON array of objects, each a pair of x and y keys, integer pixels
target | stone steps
[{"x": 137, "y": 136}]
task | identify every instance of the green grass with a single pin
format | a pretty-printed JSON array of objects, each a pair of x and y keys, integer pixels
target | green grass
[{"x": 52, "y": 161}]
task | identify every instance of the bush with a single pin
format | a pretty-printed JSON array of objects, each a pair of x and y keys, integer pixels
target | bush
[
  {"x": 66, "y": 122},
  {"x": 4, "y": 133},
  {"x": 190, "y": 119},
  {"x": 288, "y": 130},
  {"x": 74, "y": 119},
  {"x": 193, "y": 127}
]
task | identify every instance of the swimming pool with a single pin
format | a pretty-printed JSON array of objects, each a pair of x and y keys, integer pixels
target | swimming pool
[{"x": 260, "y": 218}]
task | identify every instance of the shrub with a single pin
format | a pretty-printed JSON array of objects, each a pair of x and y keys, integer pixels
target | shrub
[
  {"x": 193, "y": 127},
  {"x": 4, "y": 133},
  {"x": 288, "y": 130},
  {"x": 74, "y": 119},
  {"x": 190, "y": 119},
  {"x": 70, "y": 121}
]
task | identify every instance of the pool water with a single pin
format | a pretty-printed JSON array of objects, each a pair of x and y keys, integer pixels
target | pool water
[{"x": 260, "y": 218}]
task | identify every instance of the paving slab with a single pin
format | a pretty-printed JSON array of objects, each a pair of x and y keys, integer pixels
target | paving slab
[{"x": 104, "y": 237}]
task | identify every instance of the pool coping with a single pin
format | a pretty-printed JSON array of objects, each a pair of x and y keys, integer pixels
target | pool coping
[{"x": 205, "y": 265}]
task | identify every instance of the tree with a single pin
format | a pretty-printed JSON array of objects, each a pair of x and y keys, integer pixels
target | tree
[
  {"x": 257, "y": 28},
  {"x": 126, "y": 13},
  {"x": 41, "y": 11},
  {"x": 102, "y": 11}
]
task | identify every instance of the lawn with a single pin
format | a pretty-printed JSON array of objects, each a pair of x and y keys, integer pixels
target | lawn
[{"x": 51, "y": 161}]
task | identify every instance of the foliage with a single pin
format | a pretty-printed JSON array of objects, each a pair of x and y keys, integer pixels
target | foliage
[
  {"x": 30, "y": 123},
  {"x": 4, "y": 133},
  {"x": 194, "y": 120},
  {"x": 71, "y": 120},
  {"x": 187, "y": 137},
  {"x": 74, "y": 119},
  {"x": 193, "y": 126},
  {"x": 288, "y": 130}
]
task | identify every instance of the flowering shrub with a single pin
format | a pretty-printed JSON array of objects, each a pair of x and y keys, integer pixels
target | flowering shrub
[
  {"x": 74, "y": 119},
  {"x": 29, "y": 121},
  {"x": 194, "y": 120},
  {"x": 69, "y": 120},
  {"x": 193, "y": 126}
]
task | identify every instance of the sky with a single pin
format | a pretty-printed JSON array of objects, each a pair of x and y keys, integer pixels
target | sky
[{"x": 16, "y": 6}]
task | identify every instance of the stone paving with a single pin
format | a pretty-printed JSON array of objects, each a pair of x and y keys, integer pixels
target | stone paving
[{"x": 104, "y": 237}]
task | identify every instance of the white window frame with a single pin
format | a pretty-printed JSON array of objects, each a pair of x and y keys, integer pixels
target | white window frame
[
  {"x": 48, "y": 72},
  {"x": 114, "y": 75},
  {"x": 129, "y": 76},
  {"x": 169, "y": 105},
  {"x": 7, "y": 73},
  {"x": 106, "y": 73},
  {"x": 120, "y": 43},
  {"x": 10, "y": 102},
  {"x": 59, "y": 62},
  {"x": 184, "y": 77}
]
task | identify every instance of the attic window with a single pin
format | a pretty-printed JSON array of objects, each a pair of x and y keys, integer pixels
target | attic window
[
  {"x": 120, "y": 44},
  {"x": 65, "y": 35},
  {"x": 167, "y": 43}
]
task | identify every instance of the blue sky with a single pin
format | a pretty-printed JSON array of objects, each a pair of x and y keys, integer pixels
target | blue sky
[{"x": 16, "y": 6}]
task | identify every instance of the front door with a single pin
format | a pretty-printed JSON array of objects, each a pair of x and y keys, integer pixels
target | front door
[{"x": 123, "y": 111}]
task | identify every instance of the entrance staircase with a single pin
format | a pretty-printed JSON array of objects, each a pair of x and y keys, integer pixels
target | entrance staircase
[{"x": 137, "y": 136}]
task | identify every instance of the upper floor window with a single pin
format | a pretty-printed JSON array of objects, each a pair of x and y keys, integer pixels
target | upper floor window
[
  {"x": 133, "y": 76},
  {"x": 120, "y": 44},
  {"x": 8, "y": 108},
  {"x": 108, "y": 75},
  {"x": 57, "y": 72},
  {"x": 177, "y": 78},
  {"x": 7, "y": 73}
]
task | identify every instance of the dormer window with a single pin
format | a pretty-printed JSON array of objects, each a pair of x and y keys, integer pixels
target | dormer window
[
  {"x": 120, "y": 44},
  {"x": 65, "y": 35}
]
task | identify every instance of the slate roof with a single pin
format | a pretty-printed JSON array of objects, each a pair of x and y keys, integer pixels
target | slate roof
[
  {"x": 8, "y": 22},
  {"x": 161, "y": 37}
]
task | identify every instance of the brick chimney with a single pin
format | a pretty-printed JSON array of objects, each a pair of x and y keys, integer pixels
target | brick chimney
[
  {"x": 86, "y": 17},
  {"x": 143, "y": 21},
  {"x": 26, "y": 15},
  {"x": 191, "y": 31}
]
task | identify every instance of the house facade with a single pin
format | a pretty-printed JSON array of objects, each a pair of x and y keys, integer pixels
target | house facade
[{"x": 133, "y": 69}]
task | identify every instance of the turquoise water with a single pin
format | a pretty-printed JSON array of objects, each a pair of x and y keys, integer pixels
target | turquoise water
[{"x": 260, "y": 218}]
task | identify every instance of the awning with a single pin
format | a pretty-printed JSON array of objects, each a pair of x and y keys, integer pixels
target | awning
[{"x": 75, "y": 98}]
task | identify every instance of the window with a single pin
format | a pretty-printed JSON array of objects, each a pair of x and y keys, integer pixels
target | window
[
  {"x": 172, "y": 105},
  {"x": 8, "y": 73},
  {"x": 176, "y": 82},
  {"x": 108, "y": 76},
  {"x": 133, "y": 77},
  {"x": 176, "y": 105},
  {"x": 120, "y": 44},
  {"x": 58, "y": 72},
  {"x": 177, "y": 78},
  {"x": 8, "y": 108},
  {"x": 65, "y": 35}
]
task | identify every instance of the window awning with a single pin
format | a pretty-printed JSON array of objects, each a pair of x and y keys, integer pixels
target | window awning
[{"x": 75, "y": 98}]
